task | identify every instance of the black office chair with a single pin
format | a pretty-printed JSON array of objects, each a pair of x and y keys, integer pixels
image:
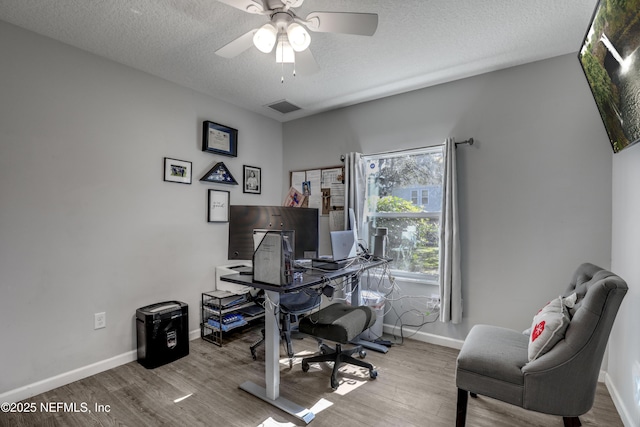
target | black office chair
[
  {"x": 340, "y": 323},
  {"x": 292, "y": 307}
]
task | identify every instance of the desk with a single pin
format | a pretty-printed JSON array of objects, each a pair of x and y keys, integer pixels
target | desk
[{"x": 271, "y": 393}]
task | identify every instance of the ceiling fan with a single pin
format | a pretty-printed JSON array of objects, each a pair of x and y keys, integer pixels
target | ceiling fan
[{"x": 286, "y": 31}]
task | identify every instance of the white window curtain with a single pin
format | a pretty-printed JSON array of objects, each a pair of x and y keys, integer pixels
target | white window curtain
[
  {"x": 355, "y": 188},
  {"x": 450, "y": 280}
]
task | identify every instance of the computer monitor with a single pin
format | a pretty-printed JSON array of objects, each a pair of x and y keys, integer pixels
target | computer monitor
[{"x": 243, "y": 220}]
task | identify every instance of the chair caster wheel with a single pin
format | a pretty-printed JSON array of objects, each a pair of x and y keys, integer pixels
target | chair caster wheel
[
  {"x": 362, "y": 354},
  {"x": 305, "y": 366},
  {"x": 373, "y": 374},
  {"x": 334, "y": 383},
  {"x": 253, "y": 355}
]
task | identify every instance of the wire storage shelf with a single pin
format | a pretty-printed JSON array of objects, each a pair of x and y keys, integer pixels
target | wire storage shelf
[{"x": 224, "y": 312}]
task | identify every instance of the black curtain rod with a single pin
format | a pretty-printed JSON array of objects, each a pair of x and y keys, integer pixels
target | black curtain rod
[{"x": 469, "y": 141}]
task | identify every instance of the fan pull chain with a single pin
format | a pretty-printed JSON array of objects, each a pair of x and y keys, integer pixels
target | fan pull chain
[
  {"x": 294, "y": 65},
  {"x": 282, "y": 73}
]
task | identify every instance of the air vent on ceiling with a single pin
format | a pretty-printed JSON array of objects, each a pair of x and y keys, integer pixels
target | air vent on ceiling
[{"x": 284, "y": 107}]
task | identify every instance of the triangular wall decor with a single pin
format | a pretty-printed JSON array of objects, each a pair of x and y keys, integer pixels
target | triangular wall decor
[{"x": 220, "y": 175}]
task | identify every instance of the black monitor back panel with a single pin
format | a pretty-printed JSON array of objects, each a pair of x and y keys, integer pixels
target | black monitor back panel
[{"x": 244, "y": 219}]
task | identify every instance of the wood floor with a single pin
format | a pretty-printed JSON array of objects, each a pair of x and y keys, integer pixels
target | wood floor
[{"x": 415, "y": 387}]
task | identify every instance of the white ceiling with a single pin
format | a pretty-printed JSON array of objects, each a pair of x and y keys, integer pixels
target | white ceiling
[{"x": 418, "y": 43}]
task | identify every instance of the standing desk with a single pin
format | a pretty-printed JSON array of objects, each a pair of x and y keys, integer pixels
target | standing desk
[{"x": 271, "y": 393}]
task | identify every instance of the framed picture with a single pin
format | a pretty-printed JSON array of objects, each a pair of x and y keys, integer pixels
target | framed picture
[
  {"x": 252, "y": 179},
  {"x": 177, "y": 171},
  {"x": 219, "y": 139},
  {"x": 219, "y": 174},
  {"x": 218, "y": 206},
  {"x": 609, "y": 60}
]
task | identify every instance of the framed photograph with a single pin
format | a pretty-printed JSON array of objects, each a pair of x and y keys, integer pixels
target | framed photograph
[
  {"x": 219, "y": 139},
  {"x": 218, "y": 206},
  {"x": 177, "y": 171},
  {"x": 252, "y": 179},
  {"x": 611, "y": 64}
]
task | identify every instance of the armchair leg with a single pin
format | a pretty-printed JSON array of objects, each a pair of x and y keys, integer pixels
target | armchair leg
[
  {"x": 461, "y": 410},
  {"x": 571, "y": 421}
]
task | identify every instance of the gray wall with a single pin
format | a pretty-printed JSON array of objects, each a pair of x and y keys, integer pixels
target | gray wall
[
  {"x": 624, "y": 346},
  {"x": 535, "y": 189},
  {"x": 88, "y": 225},
  {"x": 86, "y": 222}
]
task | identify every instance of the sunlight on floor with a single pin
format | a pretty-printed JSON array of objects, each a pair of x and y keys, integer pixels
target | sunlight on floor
[
  {"x": 350, "y": 377},
  {"x": 180, "y": 399}
]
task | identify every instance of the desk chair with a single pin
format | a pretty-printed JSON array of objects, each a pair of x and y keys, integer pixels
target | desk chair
[
  {"x": 341, "y": 324},
  {"x": 494, "y": 361},
  {"x": 292, "y": 306}
]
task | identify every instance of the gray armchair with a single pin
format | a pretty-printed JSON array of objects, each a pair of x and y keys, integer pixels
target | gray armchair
[{"x": 493, "y": 361}]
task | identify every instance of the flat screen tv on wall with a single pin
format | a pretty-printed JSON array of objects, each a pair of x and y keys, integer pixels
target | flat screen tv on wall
[{"x": 611, "y": 62}]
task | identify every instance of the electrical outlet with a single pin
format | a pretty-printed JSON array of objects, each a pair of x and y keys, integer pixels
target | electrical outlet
[{"x": 100, "y": 320}]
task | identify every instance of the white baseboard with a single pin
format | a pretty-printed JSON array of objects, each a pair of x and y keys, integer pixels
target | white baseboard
[
  {"x": 425, "y": 337},
  {"x": 626, "y": 418},
  {"x": 65, "y": 378}
]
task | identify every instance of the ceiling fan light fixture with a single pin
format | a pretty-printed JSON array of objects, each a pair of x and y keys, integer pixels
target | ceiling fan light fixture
[
  {"x": 284, "y": 51},
  {"x": 265, "y": 38},
  {"x": 299, "y": 38}
]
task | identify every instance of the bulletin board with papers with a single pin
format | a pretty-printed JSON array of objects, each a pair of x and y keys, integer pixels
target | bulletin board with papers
[{"x": 322, "y": 189}]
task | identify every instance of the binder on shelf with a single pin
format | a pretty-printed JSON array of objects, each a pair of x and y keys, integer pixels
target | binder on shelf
[
  {"x": 226, "y": 326},
  {"x": 225, "y": 299}
]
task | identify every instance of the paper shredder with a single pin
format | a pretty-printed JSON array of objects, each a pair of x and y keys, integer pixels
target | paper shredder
[{"x": 162, "y": 332}]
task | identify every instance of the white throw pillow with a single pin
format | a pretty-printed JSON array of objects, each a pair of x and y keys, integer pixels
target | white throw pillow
[{"x": 549, "y": 326}]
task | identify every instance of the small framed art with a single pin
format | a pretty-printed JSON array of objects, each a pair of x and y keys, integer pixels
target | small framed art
[
  {"x": 219, "y": 139},
  {"x": 177, "y": 171},
  {"x": 218, "y": 206},
  {"x": 252, "y": 179}
]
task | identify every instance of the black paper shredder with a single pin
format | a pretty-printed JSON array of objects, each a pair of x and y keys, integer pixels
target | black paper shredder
[{"x": 162, "y": 332}]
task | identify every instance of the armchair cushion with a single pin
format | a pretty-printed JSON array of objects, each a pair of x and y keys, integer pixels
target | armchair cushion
[{"x": 549, "y": 326}]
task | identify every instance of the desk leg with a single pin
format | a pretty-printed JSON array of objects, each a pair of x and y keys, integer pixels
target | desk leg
[
  {"x": 271, "y": 393},
  {"x": 272, "y": 345}
]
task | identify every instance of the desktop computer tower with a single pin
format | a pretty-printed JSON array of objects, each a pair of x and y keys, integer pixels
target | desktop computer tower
[
  {"x": 162, "y": 332},
  {"x": 273, "y": 258}
]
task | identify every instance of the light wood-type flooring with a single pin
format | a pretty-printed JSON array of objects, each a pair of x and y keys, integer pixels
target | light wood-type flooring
[{"x": 415, "y": 387}]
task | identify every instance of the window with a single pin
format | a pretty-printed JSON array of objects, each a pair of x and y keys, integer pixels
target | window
[
  {"x": 425, "y": 197},
  {"x": 394, "y": 183}
]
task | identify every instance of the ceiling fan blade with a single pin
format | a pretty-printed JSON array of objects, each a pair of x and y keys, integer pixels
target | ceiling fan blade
[
  {"x": 237, "y": 46},
  {"x": 245, "y": 5},
  {"x": 305, "y": 63},
  {"x": 363, "y": 24}
]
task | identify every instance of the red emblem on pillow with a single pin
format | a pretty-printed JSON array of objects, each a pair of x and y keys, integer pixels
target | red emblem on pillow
[{"x": 537, "y": 330}]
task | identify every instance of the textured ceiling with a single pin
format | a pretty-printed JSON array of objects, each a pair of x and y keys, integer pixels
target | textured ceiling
[{"x": 418, "y": 43}]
